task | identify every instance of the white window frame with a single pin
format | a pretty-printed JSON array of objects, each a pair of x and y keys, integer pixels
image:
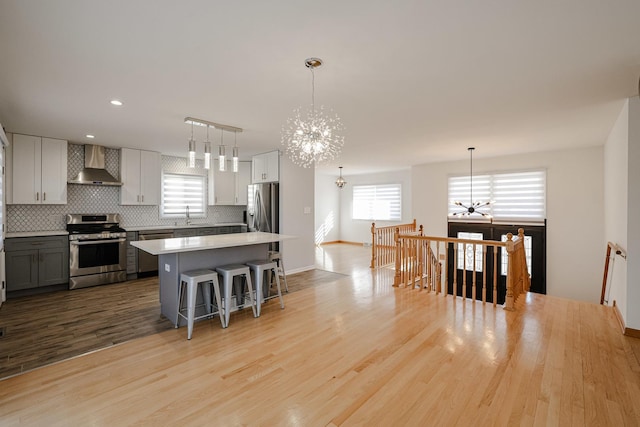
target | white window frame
[
  {"x": 197, "y": 209},
  {"x": 526, "y": 205},
  {"x": 379, "y": 206}
]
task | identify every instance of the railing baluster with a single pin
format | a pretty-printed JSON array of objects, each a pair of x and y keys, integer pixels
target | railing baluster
[
  {"x": 484, "y": 274},
  {"x": 496, "y": 273},
  {"x": 473, "y": 279}
]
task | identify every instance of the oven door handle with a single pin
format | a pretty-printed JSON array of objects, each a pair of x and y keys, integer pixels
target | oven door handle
[{"x": 97, "y": 242}]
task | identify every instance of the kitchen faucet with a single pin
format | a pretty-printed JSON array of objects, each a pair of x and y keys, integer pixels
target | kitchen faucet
[{"x": 188, "y": 218}]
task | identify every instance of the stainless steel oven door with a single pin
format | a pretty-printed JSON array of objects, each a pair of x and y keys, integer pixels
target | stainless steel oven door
[{"x": 97, "y": 256}]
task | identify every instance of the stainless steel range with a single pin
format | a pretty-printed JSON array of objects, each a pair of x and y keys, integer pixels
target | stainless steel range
[{"x": 97, "y": 250}]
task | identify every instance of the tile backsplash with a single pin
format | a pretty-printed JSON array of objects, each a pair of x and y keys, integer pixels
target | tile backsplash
[{"x": 106, "y": 199}]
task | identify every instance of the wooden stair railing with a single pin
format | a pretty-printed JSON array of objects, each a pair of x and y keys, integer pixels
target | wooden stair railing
[
  {"x": 419, "y": 263},
  {"x": 383, "y": 245}
]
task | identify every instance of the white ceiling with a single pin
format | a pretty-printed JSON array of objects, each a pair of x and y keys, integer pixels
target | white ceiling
[{"x": 413, "y": 81}]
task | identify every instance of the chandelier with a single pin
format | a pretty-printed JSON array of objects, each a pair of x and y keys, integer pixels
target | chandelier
[
  {"x": 312, "y": 137},
  {"x": 340, "y": 182},
  {"x": 473, "y": 206}
]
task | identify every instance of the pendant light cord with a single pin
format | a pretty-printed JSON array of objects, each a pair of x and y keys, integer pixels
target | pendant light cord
[
  {"x": 471, "y": 177},
  {"x": 313, "y": 90}
]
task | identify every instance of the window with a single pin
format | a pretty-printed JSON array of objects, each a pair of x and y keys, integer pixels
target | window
[
  {"x": 466, "y": 251},
  {"x": 377, "y": 202},
  {"x": 517, "y": 196},
  {"x": 182, "y": 191}
]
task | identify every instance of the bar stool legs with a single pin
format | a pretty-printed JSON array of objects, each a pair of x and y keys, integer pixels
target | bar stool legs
[
  {"x": 228, "y": 272},
  {"x": 275, "y": 256},
  {"x": 191, "y": 280},
  {"x": 259, "y": 267}
]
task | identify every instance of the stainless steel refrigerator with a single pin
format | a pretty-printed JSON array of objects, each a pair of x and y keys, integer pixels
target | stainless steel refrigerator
[{"x": 263, "y": 209}]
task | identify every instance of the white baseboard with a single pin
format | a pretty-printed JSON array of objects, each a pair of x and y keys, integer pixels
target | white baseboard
[{"x": 300, "y": 269}]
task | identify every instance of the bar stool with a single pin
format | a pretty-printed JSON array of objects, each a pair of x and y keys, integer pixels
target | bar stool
[
  {"x": 228, "y": 273},
  {"x": 275, "y": 256},
  {"x": 259, "y": 267},
  {"x": 192, "y": 279}
]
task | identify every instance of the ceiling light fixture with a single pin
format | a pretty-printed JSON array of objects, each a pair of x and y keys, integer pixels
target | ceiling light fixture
[
  {"x": 312, "y": 137},
  {"x": 116, "y": 102},
  {"x": 192, "y": 151},
  {"x": 235, "y": 153},
  {"x": 90, "y": 136},
  {"x": 340, "y": 182},
  {"x": 473, "y": 206},
  {"x": 207, "y": 144},
  {"x": 222, "y": 158}
]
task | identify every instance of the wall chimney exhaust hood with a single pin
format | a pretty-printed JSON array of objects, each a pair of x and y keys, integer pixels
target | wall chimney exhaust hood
[{"x": 94, "y": 172}]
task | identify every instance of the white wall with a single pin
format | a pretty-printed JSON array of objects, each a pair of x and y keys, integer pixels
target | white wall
[
  {"x": 615, "y": 205},
  {"x": 327, "y": 209},
  {"x": 633, "y": 225},
  {"x": 575, "y": 213},
  {"x": 296, "y": 198},
  {"x": 360, "y": 230}
]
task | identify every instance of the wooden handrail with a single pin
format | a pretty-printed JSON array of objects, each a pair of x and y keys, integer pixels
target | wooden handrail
[
  {"x": 617, "y": 250},
  {"x": 419, "y": 259},
  {"x": 383, "y": 244}
]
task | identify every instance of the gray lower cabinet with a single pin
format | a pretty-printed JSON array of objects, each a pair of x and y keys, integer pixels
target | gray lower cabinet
[
  {"x": 132, "y": 255},
  {"x": 33, "y": 262}
]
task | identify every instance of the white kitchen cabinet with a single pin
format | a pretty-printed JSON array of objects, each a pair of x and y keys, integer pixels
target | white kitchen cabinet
[
  {"x": 39, "y": 170},
  {"x": 228, "y": 187},
  {"x": 242, "y": 182},
  {"x": 140, "y": 172},
  {"x": 265, "y": 167}
]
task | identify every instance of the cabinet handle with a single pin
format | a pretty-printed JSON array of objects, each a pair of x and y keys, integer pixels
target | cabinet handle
[
  {"x": 138, "y": 198},
  {"x": 44, "y": 196},
  {"x": 37, "y": 196},
  {"x": 37, "y": 243},
  {"x": 33, "y": 258},
  {"x": 142, "y": 198}
]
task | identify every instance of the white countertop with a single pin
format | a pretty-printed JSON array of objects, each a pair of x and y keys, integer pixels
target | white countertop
[
  {"x": 37, "y": 233},
  {"x": 199, "y": 243},
  {"x": 173, "y": 227}
]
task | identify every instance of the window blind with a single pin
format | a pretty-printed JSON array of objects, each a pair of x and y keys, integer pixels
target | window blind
[
  {"x": 516, "y": 196},
  {"x": 377, "y": 202},
  {"x": 180, "y": 191}
]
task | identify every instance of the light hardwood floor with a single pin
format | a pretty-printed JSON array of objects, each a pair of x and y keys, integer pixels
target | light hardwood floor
[{"x": 352, "y": 352}]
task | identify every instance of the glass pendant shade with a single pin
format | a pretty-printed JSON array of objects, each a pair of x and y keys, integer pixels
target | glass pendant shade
[
  {"x": 207, "y": 155},
  {"x": 235, "y": 159},
  {"x": 222, "y": 159},
  {"x": 192, "y": 153}
]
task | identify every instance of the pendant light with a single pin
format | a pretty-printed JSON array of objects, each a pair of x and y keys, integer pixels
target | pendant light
[
  {"x": 207, "y": 152},
  {"x": 314, "y": 136},
  {"x": 473, "y": 206},
  {"x": 192, "y": 150},
  {"x": 235, "y": 152},
  {"x": 340, "y": 182},
  {"x": 222, "y": 158}
]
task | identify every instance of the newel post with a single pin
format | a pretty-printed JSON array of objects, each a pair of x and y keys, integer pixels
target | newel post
[
  {"x": 396, "y": 239},
  {"x": 510, "y": 300},
  {"x": 373, "y": 245}
]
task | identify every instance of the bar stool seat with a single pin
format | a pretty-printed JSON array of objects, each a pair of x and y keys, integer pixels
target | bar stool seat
[
  {"x": 191, "y": 279},
  {"x": 277, "y": 257},
  {"x": 228, "y": 273},
  {"x": 259, "y": 267}
]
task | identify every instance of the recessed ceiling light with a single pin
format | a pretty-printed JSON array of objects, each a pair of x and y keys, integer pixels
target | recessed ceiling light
[
  {"x": 116, "y": 102},
  {"x": 90, "y": 136}
]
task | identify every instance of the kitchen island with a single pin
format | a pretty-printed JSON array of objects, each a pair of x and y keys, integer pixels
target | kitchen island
[{"x": 181, "y": 254}]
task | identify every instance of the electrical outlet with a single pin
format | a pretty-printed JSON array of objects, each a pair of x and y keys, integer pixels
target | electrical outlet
[{"x": 167, "y": 268}]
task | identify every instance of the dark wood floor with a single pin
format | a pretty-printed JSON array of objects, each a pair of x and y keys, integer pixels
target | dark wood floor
[{"x": 47, "y": 328}]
